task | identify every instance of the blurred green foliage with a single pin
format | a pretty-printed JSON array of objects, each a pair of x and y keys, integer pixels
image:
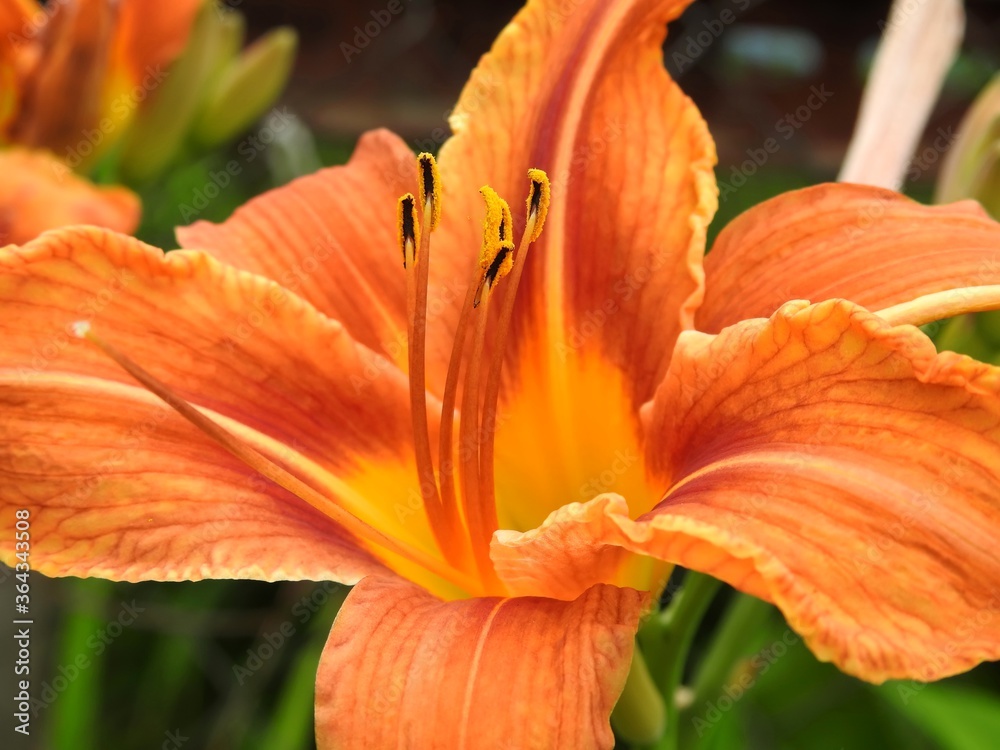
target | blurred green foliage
[
  {"x": 223, "y": 664},
  {"x": 790, "y": 701}
]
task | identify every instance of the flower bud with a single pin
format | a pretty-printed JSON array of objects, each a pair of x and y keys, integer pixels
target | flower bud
[
  {"x": 158, "y": 133},
  {"x": 247, "y": 87},
  {"x": 971, "y": 168}
]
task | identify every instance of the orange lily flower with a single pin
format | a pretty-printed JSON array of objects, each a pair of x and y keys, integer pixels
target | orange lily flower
[
  {"x": 654, "y": 407},
  {"x": 72, "y": 75}
]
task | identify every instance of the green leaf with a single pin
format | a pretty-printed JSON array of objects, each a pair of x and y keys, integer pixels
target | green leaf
[
  {"x": 788, "y": 700},
  {"x": 157, "y": 136},
  {"x": 72, "y": 690},
  {"x": 956, "y": 716},
  {"x": 291, "y": 723}
]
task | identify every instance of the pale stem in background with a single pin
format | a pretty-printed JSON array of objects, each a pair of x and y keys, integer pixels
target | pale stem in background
[{"x": 921, "y": 39}]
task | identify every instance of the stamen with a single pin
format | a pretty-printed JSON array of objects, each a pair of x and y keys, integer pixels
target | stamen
[
  {"x": 537, "y": 205},
  {"x": 492, "y": 225},
  {"x": 270, "y": 470},
  {"x": 407, "y": 227},
  {"x": 447, "y": 533},
  {"x": 495, "y": 262}
]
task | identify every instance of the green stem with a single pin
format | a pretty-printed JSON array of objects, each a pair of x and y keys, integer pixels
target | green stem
[
  {"x": 639, "y": 716},
  {"x": 737, "y": 637},
  {"x": 666, "y": 639}
]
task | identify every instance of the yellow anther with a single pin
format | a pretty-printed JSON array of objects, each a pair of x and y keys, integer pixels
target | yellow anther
[
  {"x": 407, "y": 225},
  {"x": 503, "y": 260},
  {"x": 493, "y": 224},
  {"x": 538, "y": 199},
  {"x": 496, "y": 257},
  {"x": 429, "y": 180}
]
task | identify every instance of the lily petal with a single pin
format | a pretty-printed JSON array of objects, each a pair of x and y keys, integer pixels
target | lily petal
[
  {"x": 221, "y": 339},
  {"x": 331, "y": 237},
  {"x": 581, "y": 92},
  {"x": 218, "y": 336},
  {"x": 842, "y": 469},
  {"x": 578, "y": 545},
  {"x": 403, "y": 669},
  {"x": 118, "y": 486},
  {"x": 919, "y": 45},
  {"x": 872, "y": 246},
  {"x": 39, "y": 192},
  {"x": 583, "y": 544}
]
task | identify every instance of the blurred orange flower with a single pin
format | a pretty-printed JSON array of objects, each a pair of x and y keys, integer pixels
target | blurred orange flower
[
  {"x": 80, "y": 68},
  {"x": 39, "y": 192},
  {"x": 656, "y": 406},
  {"x": 73, "y": 73}
]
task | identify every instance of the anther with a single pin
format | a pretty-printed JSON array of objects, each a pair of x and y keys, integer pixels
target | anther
[
  {"x": 493, "y": 225},
  {"x": 407, "y": 226},
  {"x": 496, "y": 256},
  {"x": 538, "y": 200},
  {"x": 429, "y": 187}
]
